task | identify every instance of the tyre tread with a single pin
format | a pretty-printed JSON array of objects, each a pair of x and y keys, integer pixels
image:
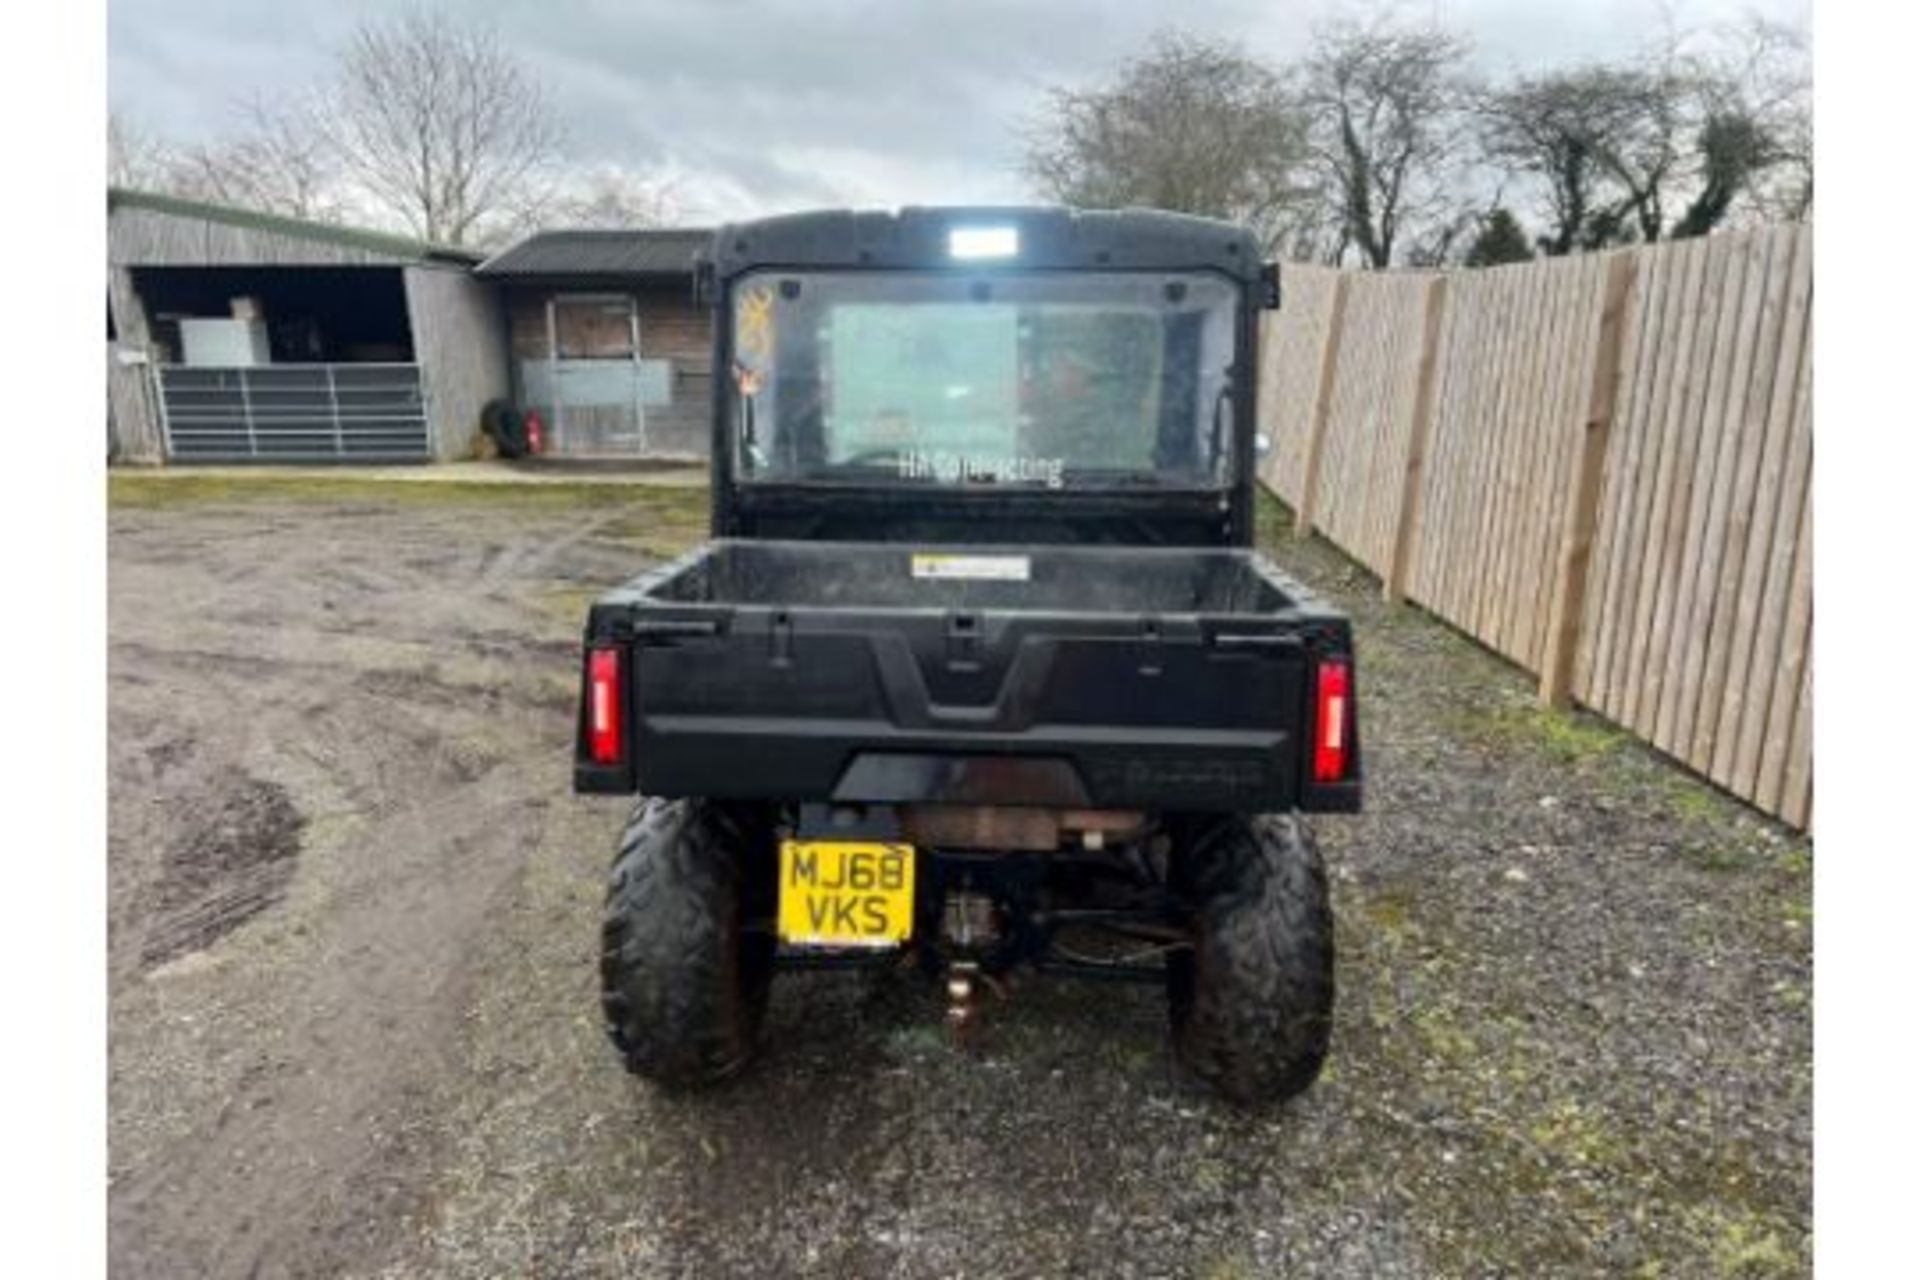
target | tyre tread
[
  {"x": 681, "y": 990},
  {"x": 1252, "y": 1009}
]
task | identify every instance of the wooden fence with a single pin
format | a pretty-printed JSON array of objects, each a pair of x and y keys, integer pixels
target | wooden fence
[{"x": 1599, "y": 466}]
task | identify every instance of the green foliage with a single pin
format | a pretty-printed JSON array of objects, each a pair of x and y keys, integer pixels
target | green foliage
[
  {"x": 1734, "y": 151},
  {"x": 1500, "y": 241}
]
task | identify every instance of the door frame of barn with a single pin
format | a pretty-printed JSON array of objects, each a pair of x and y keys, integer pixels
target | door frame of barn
[{"x": 633, "y": 402}]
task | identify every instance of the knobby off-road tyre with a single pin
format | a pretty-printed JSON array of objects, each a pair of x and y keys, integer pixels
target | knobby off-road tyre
[
  {"x": 1252, "y": 1003},
  {"x": 682, "y": 983}
]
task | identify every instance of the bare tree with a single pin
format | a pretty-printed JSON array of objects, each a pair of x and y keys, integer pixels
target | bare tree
[
  {"x": 135, "y": 158},
  {"x": 1386, "y": 105},
  {"x": 440, "y": 125},
  {"x": 1441, "y": 241},
  {"x": 1713, "y": 129},
  {"x": 280, "y": 161},
  {"x": 1558, "y": 127},
  {"x": 1648, "y": 112},
  {"x": 1192, "y": 124},
  {"x": 613, "y": 197}
]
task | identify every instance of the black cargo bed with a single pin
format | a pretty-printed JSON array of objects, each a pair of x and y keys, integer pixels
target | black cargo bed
[
  {"x": 1110, "y": 677},
  {"x": 1128, "y": 580}
]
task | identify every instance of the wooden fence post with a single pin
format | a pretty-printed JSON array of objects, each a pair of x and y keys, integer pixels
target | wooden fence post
[
  {"x": 1583, "y": 506},
  {"x": 1322, "y": 406},
  {"x": 1393, "y": 583}
]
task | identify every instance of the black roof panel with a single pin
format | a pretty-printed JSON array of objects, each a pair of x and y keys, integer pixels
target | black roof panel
[
  {"x": 1050, "y": 237},
  {"x": 642, "y": 251}
]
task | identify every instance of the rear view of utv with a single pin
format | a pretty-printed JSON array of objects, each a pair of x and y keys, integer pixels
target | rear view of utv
[{"x": 979, "y": 670}]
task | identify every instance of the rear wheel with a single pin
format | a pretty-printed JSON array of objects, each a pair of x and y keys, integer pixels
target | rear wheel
[
  {"x": 1252, "y": 1003},
  {"x": 683, "y": 983}
]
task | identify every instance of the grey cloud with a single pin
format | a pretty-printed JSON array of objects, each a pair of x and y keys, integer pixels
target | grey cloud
[{"x": 779, "y": 103}]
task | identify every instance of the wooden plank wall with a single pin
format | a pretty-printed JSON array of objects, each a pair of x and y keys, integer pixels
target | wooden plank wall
[
  {"x": 1372, "y": 398},
  {"x": 456, "y": 323},
  {"x": 138, "y": 237},
  {"x": 1515, "y": 354},
  {"x": 1682, "y": 372},
  {"x": 1289, "y": 364},
  {"x": 133, "y": 414},
  {"x": 1698, "y": 625}
]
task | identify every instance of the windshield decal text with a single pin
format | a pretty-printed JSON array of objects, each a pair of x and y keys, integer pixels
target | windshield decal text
[{"x": 976, "y": 468}]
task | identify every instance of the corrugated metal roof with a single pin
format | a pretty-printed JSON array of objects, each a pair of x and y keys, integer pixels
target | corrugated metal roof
[
  {"x": 298, "y": 228},
  {"x": 655, "y": 251}
]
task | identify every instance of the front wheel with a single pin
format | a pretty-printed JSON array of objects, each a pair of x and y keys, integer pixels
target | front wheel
[
  {"x": 683, "y": 982},
  {"x": 1252, "y": 1003}
]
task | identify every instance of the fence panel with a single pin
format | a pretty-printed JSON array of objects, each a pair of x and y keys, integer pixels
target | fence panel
[
  {"x": 1516, "y": 351},
  {"x": 1289, "y": 365},
  {"x": 1611, "y": 485},
  {"x": 1372, "y": 405},
  {"x": 1699, "y": 634}
]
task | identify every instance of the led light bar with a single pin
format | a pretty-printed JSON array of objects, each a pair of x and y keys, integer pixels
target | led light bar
[{"x": 983, "y": 242}]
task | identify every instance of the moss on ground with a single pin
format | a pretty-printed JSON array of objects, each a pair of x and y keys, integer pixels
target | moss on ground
[
  {"x": 1614, "y": 1191},
  {"x": 1570, "y": 737}
]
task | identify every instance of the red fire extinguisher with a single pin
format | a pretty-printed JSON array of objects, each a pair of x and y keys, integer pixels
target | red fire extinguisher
[{"x": 536, "y": 434}]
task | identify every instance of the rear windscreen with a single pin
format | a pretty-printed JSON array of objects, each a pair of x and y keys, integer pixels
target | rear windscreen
[{"x": 1028, "y": 380}]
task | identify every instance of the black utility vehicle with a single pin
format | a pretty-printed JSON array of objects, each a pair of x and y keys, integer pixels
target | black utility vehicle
[{"x": 979, "y": 669}]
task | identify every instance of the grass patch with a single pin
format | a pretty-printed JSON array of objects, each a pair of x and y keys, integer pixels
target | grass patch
[
  {"x": 1714, "y": 855},
  {"x": 1569, "y": 737},
  {"x": 1444, "y": 1036},
  {"x": 1227, "y": 1267},
  {"x": 1569, "y": 1132},
  {"x": 567, "y": 604},
  {"x": 1390, "y": 911},
  {"x": 1693, "y": 801},
  {"x": 1717, "y": 833},
  {"x": 158, "y": 489},
  {"x": 1271, "y": 516},
  {"x": 1742, "y": 1243}
]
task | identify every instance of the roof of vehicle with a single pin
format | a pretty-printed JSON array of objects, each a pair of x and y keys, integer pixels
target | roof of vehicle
[
  {"x": 655, "y": 251},
  {"x": 1048, "y": 237}
]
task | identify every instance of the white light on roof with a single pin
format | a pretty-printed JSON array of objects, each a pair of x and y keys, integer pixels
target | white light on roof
[{"x": 983, "y": 242}]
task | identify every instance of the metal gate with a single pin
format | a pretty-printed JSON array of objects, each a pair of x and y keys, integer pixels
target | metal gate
[{"x": 294, "y": 413}]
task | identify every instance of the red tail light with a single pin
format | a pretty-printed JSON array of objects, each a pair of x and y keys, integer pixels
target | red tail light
[
  {"x": 603, "y": 706},
  {"x": 1332, "y": 719}
]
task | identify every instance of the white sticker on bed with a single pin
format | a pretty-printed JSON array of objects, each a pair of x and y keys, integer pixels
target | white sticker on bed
[{"x": 983, "y": 568}]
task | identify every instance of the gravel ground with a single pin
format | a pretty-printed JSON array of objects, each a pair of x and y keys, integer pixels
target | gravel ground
[{"x": 353, "y": 908}]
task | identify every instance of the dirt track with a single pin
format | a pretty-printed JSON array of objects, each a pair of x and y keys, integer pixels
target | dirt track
[{"x": 352, "y": 926}]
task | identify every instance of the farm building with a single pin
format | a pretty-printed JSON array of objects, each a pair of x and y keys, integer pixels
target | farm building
[
  {"x": 607, "y": 342},
  {"x": 239, "y": 336}
]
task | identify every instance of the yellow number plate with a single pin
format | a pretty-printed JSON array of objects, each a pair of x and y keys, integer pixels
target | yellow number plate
[{"x": 845, "y": 893}]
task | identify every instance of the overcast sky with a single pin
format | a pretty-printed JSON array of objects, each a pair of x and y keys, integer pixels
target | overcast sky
[{"x": 765, "y": 105}]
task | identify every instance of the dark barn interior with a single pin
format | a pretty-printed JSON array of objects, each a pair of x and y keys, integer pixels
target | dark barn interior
[{"x": 314, "y": 314}]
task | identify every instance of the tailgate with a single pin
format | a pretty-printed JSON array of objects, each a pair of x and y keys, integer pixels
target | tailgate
[{"x": 980, "y": 706}]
